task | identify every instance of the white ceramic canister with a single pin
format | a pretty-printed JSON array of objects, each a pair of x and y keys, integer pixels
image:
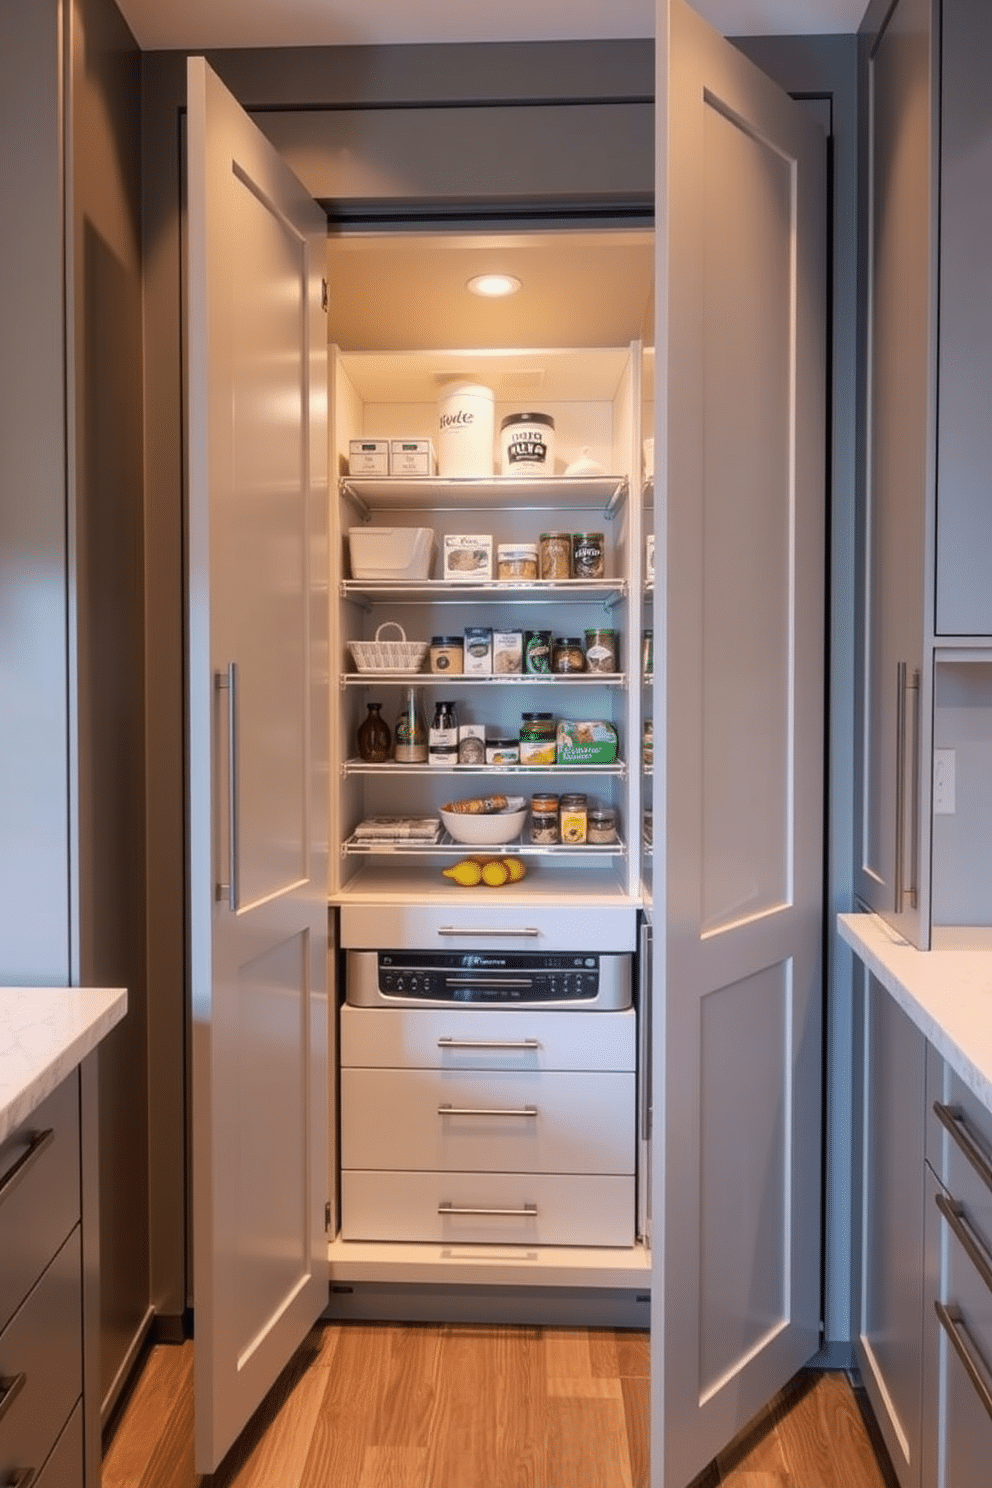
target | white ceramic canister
[
  {"x": 527, "y": 444},
  {"x": 466, "y": 430}
]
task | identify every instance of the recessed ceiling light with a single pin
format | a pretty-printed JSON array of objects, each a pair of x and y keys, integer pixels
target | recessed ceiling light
[{"x": 493, "y": 286}]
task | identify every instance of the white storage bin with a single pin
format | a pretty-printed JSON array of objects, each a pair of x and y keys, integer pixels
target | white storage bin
[{"x": 391, "y": 552}]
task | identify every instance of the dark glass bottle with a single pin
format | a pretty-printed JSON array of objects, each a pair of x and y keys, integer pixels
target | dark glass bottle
[{"x": 374, "y": 737}]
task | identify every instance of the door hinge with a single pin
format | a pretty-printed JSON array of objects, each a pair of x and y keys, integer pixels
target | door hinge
[
  {"x": 324, "y": 295},
  {"x": 327, "y": 1217}
]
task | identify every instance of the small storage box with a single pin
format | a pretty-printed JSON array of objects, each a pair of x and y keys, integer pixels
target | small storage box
[
  {"x": 391, "y": 552},
  {"x": 412, "y": 457},
  {"x": 468, "y": 555},
  {"x": 368, "y": 457}
]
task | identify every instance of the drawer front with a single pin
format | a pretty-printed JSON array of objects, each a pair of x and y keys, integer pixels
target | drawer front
[
  {"x": 510, "y": 1209},
  {"x": 41, "y": 1350},
  {"x": 486, "y": 927},
  {"x": 524, "y": 1122},
  {"x": 40, "y": 1205},
  {"x": 487, "y": 1039},
  {"x": 964, "y": 1391},
  {"x": 959, "y": 1147},
  {"x": 64, "y": 1468}
]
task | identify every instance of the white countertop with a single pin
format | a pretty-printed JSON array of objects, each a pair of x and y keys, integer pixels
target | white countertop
[
  {"x": 44, "y": 1033},
  {"x": 946, "y": 991}
]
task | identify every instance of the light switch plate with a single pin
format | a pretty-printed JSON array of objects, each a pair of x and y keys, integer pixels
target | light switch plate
[{"x": 943, "y": 782}]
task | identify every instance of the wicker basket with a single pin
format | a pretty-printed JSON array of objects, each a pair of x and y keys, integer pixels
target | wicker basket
[{"x": 389, "y": 656}]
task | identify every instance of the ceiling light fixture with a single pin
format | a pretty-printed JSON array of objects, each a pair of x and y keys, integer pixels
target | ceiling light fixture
[{"x": 494, "y": 286}]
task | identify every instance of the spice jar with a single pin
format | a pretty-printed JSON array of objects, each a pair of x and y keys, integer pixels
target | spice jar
[
  {"x": 556, "y": 555},
  {"x": 602, "y": 826},
  {"x": 567, "y": 654},
  {"x": 572, "y": 818},
  {"x": 447, "y": 654},
  {"x": 588, "y": 555},
  {"x": 544, "y": 819},
  {"x": 516, "y": 561},
  {"x": 537, "y": 650},
  {"x": 601, "y": 651},
  {"x": 537, "y": 740}
]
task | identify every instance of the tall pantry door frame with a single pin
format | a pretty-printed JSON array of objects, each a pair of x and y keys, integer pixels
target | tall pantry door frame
[
  {"x": 739, "y": 683},
  {"x": 258, "y": 725}
]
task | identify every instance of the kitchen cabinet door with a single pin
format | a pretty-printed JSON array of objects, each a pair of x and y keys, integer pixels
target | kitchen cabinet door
[
  {"x": 738, "y": 783},
  {"x": 895, "y": 678},
  {"x": 257, "y": 760}
]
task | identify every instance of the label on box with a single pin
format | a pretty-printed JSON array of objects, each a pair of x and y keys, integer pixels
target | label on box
[
  {"x": 471, "y": 743},
  {"x": 591, "y": 742},
  {"x": 412, "y": 457},
  {"x": 478, "y": 649},
  {"x": 508, "y": 651},
  {"x": 468, "y": 556},
  {"x": 368, "y": 456}
]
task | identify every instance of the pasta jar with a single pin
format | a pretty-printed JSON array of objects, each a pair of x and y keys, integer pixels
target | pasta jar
[
  {"x": 447, "y": 654},
  {"x": 556, "y": 555},
  {"x": 572, "y": 818},
  {"x": 588, "y": 555},
  {"x": 602, "y": 826},
  {"x": 601, "y": 650},
  {"x": 537, "y": 740},
  {"x": 544, "y": 819},
  {"x": 516, "y": 561},
  {"x": 567, "y": 654}
]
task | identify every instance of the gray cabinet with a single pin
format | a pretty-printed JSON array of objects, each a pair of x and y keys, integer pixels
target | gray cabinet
[
  {"x": 41, "y": 1324},
  {"x": 889, "y": 1341},
  {"x": 928, "y": 444}
]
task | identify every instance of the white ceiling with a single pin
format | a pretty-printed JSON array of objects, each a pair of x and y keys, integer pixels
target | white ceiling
[{"x": 207, "y": 24}]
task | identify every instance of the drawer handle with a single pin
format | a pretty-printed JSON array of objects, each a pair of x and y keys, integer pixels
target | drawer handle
[
  {"x": 486, "y": 1111},
  {"x": 956, "y": 1122},
  {"x": 453, "y": 1043},
  {"x": 27, "y": 1159},
  {"x": 954, "y": 1213},
  {"x": 10, "y": 1388},
  {"x": 527, "y": 932},
  {"x": 975, "y": 1367},
  {"x": 529, "y": 1211}
]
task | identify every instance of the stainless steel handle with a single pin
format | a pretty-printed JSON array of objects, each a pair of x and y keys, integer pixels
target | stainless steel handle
[
  {"x": 528, "y": 1211},
  {"x": 906, "y": 683},
  {"x": 954, "y": 1119},
  {"x": 25, "y": 1162},
  {"x": 523, "y": 932},
  {"x": 10, "y": 1388},
  {"x": 956, "y": 1216},
  {"x": 227, "y": 681},
  {"x": 953, "y": 1324},
  {"x": 452, "y": 1043},
  {"x": 448, "y": 1110}
]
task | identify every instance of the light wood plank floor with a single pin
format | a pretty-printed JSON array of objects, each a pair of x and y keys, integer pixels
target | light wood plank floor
[{"x": 408, "y": 1406}]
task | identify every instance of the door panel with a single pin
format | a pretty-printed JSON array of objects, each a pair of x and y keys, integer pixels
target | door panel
[
  {"x": 739, "y": 784},
  {"x": 258, "y": 751}
]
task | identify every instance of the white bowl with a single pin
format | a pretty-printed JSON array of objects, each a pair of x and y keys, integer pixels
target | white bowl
[{"x": 484, "y": 829}]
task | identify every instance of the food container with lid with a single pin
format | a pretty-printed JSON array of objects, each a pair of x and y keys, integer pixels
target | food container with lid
[
  {"x": 602, "y": 826},
  {"x": 537, "y": 650},
  {"x": 588, "y": 555},
  {"x": 466, "y": 417},
  {"x": 537, "y": 739},
  {"x": 502, "y": 751},
  {"x": 573, "y": 818},
  {"x": 556, "y": 555},
  {"x": 601, "y": 650},
  {"x": 527, "y": 444},
  {"x": 516, "y": 561},
  {"x": 567, "y": 654},
  {"x": 447, "y": 654}
]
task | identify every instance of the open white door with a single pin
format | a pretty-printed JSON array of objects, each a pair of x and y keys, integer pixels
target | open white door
[
  {"x": 258, "y": 724},
  {"x": 740, "y": 500}
]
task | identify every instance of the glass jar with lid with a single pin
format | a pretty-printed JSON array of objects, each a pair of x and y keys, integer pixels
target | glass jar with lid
[
  {"x": 573, "y": 818},
  {"x": 567, "y": 654},
  {"x": 537, "y": 739}
]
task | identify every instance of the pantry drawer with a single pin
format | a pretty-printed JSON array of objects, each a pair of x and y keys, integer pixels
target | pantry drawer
[
  {"x": 487, "y": 1039},
  {"x": 497, "y": 1209},
  {"x": 521, "y": 1122},
  {"x": 39, "y": 1201},
  {"x": 486, "y": 927},
  {"x": 41, "y": 1359},
  {"x": 959, "y": 1148},
  {"x": 64, "y": 1468}
]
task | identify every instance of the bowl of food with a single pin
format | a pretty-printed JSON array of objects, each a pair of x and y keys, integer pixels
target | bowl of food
[{"x": 484, "y": 821}]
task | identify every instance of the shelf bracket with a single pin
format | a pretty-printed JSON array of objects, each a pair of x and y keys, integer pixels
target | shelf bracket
[
  {"x": 350, "y": 494},
  {"x": 616, "y": 500}
]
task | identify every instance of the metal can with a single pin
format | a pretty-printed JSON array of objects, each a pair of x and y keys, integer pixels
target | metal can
[{"x": 589, "y": 555}]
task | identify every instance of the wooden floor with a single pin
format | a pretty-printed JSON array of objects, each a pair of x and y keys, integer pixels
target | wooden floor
[{"x": 408, "y": 1406}]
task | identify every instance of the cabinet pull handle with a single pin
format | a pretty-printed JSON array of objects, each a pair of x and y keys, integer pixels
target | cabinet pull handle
[
  {"x": 25, "y": 1162},
  {"x": 448, "y": 1110},
  {"x": 10, "y": 1388},
  {"x": 529, "y": 932},
  {"x": 528, "y": 1211},
  {"x": 906, "y": 683},
  {"x": 956, "y": 1216},
  {"x": 453, "y": 1043},
  {"x": 227, "y": 681},
  {"x": 953, "y": 1324},
  {"x": 956, "y": 1122}
]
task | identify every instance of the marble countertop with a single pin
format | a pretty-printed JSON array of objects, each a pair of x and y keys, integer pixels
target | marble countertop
[
  {"x": 946, "y": 991},
  {"x": 44, "y": 1033}
]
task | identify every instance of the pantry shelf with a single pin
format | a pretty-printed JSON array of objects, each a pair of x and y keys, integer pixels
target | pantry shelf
[
  {"x": 446, "y": 845},
  {"x": 605, "y": 494},
  {"x": 483, "y": 679},
  {"x": 470, "y": 591},
  {"x": 391, "y": 768}
]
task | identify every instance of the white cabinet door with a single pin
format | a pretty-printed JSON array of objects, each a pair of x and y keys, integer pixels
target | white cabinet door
[
  {"x": 740, "y": 496},
  {"x": 258, "y": 723}
]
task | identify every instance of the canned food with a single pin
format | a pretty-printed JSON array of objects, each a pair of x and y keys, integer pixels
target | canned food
[{"x": 589, "y": 555}]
